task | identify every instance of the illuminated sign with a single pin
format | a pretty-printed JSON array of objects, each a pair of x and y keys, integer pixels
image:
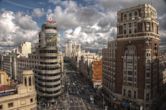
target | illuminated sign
[{"x": 50, "y": 20}]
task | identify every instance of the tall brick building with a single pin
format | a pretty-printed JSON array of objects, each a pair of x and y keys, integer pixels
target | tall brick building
[{"x": 136, "y": 75}]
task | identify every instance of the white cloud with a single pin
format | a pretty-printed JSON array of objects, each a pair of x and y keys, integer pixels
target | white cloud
[
  {"x": 25, "y": 21},
  {"x": 65, "y": 18},
  {"x": 92, "y": 26},
  {"x": 16, "y": 27},
  {"x": 93, "y": 38},
  {"x": 54, "y": 1},
  {"x": 38, "y": 12},
  {"x": 86, "y": 25},
  {"x": 6, "y": 22}
]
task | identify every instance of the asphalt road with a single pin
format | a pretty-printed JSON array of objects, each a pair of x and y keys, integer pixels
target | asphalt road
[{"x": 77, "y": 86}]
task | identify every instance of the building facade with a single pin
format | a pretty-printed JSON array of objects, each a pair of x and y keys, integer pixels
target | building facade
[
  {"x": 23, "y": 49},
  {"x": 108, "y": 69},
  {"x": 4, "y": 78},
  {"x": 73, "y": 53},
  {"x": 97, "y": 73},
  {"x": 20, "y": 97},
  {"x": 90, "y": 67},
  {"x": 72, "y": 49},
  {"x": 163, "y": 74},
  {"x": 22, "y": 64},
  {"x": 136, "y": 58},
  {"x": 9, "y": 64},
  {"x": 48, "y": 70},
  {"x": 15, "y": 62}
]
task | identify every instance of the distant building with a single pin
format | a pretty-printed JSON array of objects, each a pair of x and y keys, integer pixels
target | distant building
[
  {"x": 73, "y": 53},
  {"x": 97, "y": 73},
  {"x": 19, "y": 97},
  {"x": 24, "y": 49},
  {"x": 9, "y": 64},
  {"x": 22, "y": 64},
  {"x": 72, "y": 49},
  {"x": 135, "y": 74},
  {"x": 90, "y": 67},
  {"x": 4, "y": 78}
]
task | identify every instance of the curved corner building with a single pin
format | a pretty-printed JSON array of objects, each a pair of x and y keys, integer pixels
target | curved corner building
[{"x": 48, "y": 71}]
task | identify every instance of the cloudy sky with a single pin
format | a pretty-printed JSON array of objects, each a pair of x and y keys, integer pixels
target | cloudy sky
[{"x": 89, "y": 22}]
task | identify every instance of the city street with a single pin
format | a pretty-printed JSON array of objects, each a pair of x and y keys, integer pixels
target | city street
[
  {"x": 78, "y": 93},
  {"x": 80, "y": 90}
]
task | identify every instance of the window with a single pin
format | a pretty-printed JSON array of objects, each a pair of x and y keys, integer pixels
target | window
[
  {"x": 130, "y": 79},
  {"x": 139, "y": 27},
  {"x": 130, "y": 16},
  {"x": 31, "y": 100},
  {"x": 124, "y": 25},
  {"x": 124, "y": 31},
  {"x": 135, "y": 30},
  {"x": 124, "y": 92},
  {"x": 125, "y": 17},
  {"x": 1, "y": 107},
  {"x": 129, "y": 31},
  {"x": 157, "y": 29},
  {"x": 135, "y": 67},
  {"x": 129, "y": 24},
  {"x": 10, "y": 104},
  {"x": 139, "y": 12},
  {"x": 147, "y": 96},
  {"x": 129, "y": 72},
  {"x": 25, "y": 81},
  {"x": 129, "y": 93},
  {"x": 30, "y": 81},
  {"x": 121, "y": 16},
  {"x": 134, "y": 94},
  {"x": 120, "y": 29},
  {"x": 147, "y": 74}
]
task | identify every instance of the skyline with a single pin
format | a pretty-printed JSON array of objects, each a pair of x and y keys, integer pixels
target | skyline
[
  {"x": 128, "y": 73},
  {"x": 84, "y": 21}
]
